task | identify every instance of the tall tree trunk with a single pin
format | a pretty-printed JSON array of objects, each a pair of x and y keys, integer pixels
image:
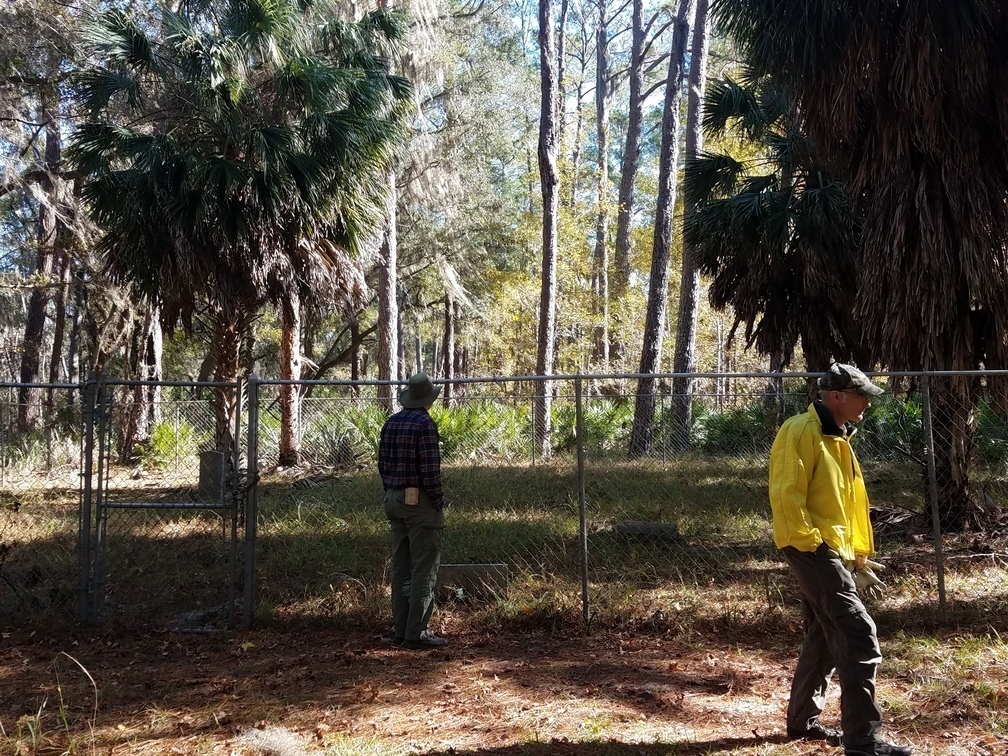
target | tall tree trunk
[
  {"x": 631, "y": 153},
  {"x": 290, "y": 394},
  {"x": 576, "y": 152},
  {"x": 355, "y": 352},
  {"x": 228, "y": 328},
  {"x": 549, "y": 180},
  {"x": 448, "y": 351},
  {"x": 668, "y": 168},
  {"x": 684, "y": 358},
  {"x": 953, "y": 402},
  {"x": 137, "y": 426},
  {"x": 76, "y": 327},
  {"x": 561, "y": 69},
  {"x": 401, "y": 340},
  {"x": 152, "y": 361},
  {"x": 388, "y": 307},
  {"x": 600, "y": 287},
  {"x": 59, "y": 333},
  {"x": 48, "y": 238}
]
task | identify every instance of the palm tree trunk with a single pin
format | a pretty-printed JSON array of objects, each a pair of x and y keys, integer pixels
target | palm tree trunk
[
  {"x": 290, "y": 395},
  {"x": 549, "y": 180},
  {"x": 684, "y": 359},
  {"x": 654, "y": 326},
  {"x": 137, "y": 425},
  {"x": 228, "y": 327},
  {"x": 953, "y": 402},
  {"x": 388, "y": 308}
]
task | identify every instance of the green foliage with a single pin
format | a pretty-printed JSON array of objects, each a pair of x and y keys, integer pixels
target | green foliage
[
  {"x": 479, "y": 429},
  {"x": 606, "y": 422},
  {"x": 992, "y": 435},
  {"x": 738, "y": 430},
  {"x": 891, "y": 425},
  {"x": 346, "y": 437},
  {"x": 168, "y": 442}
]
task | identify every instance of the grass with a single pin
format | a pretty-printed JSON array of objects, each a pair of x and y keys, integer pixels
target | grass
[{"x": 322, "y": 547}]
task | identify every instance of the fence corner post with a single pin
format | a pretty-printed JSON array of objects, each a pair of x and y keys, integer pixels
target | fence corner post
[
  {"x": 85, "y": 512},
  {"x": 582, "y": 503}
]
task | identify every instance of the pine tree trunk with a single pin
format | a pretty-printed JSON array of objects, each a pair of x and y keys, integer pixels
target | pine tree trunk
[
  {"x": 549, "y": 180},
  {"x": 684, "y": 358},
  {"x": 631, "y": 154},
  {"x": 601, "y": 256},
  {"x": 654, "y": 326}
]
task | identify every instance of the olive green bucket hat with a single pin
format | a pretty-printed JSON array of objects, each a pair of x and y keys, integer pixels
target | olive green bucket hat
[{"x": 419, "y": 392}]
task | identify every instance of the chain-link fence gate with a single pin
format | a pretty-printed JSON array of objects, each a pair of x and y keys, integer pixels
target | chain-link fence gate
[
  {"x": 589, "y": 522},
  {"x": 161, "y": 510}
]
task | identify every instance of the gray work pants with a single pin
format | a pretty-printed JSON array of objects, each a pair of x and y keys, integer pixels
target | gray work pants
[
  {"x": 416, "y": 534},
  {"x": 839, "y": 636}
]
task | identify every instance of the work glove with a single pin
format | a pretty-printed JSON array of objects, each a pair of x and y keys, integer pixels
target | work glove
[{"x": 867, "y": 582}]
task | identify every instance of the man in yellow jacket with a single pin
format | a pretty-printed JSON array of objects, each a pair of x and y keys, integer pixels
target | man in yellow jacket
[{"x": 821, "y": 525}]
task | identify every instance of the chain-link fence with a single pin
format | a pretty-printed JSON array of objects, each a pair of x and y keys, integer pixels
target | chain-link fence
[
  {"x": 626, "y": 507},
  {"x": 40, "y": 463}
]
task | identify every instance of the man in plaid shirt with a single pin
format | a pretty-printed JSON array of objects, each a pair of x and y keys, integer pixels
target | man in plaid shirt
[{"x": 409, "y": 462}]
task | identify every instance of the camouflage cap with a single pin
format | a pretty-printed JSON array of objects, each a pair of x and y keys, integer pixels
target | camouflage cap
[{"x": 842, "y": 377}]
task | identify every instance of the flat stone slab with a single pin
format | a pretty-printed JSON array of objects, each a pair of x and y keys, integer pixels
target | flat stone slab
[{"x": 484, "y": 582}]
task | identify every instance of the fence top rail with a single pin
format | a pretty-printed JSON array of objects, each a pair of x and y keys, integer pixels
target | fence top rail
[
  {"x": 628, "y": 376},
  {"x": 172, "y": 384},
  {"x": 509, "y": 379},
  {"x": 6, "y": 385}
]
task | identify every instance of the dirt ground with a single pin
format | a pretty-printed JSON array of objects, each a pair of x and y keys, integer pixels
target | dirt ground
[{"x": 325, "y": 691}]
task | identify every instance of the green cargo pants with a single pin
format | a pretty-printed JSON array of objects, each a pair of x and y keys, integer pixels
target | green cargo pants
[
  {"x": 416, "y": 535},
  {"x": 839, "y": 636}
]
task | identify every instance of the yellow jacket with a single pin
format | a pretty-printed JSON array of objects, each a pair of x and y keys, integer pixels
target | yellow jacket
[{"x": 817, "y": 492}]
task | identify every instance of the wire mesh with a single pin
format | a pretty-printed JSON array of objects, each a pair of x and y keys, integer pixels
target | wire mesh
[
  {"x": 322, "y": 532},
  {"x": 164, "y": 529},
  {"x": 39, "y": 501},
  {"x": 679, "y": 528}
]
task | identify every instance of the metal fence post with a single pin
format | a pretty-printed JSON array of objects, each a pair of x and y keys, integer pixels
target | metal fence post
[
  {"x": 85, "y": 511},
  {"x": 103, "y": 420},
  {"x": 933, "y": 495},
  {"x": 3, "y": 440},
  {"x": 234, "y": 489},
  {"x": 251, "y": 502},
  {"x": 582, "y": 505}
]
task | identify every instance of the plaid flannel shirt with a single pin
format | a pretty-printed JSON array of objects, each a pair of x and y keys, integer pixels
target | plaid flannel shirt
[{"x": 409, "y": 453}]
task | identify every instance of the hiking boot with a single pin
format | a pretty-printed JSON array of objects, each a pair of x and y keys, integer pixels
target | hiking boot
[
  {"x": 878, "y": 748},
  {"x": 817, "y": 731},
  {"x": 427, "y": 640}
]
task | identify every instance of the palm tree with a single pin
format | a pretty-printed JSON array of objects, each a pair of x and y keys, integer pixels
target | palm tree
[
  {"x": 907, "y": 101},
  {"x": 237, "y": 158},
  {"x": 773, "y": 230}
]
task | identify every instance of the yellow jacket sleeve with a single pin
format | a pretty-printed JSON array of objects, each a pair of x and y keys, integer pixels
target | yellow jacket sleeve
[{"x": 792, "y": 462}]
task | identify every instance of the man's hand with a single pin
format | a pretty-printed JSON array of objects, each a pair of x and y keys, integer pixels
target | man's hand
[{"x": 866, "y": 580}]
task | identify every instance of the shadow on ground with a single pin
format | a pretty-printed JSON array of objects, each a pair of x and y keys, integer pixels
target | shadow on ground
[{"x": 616, "y": 748}]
